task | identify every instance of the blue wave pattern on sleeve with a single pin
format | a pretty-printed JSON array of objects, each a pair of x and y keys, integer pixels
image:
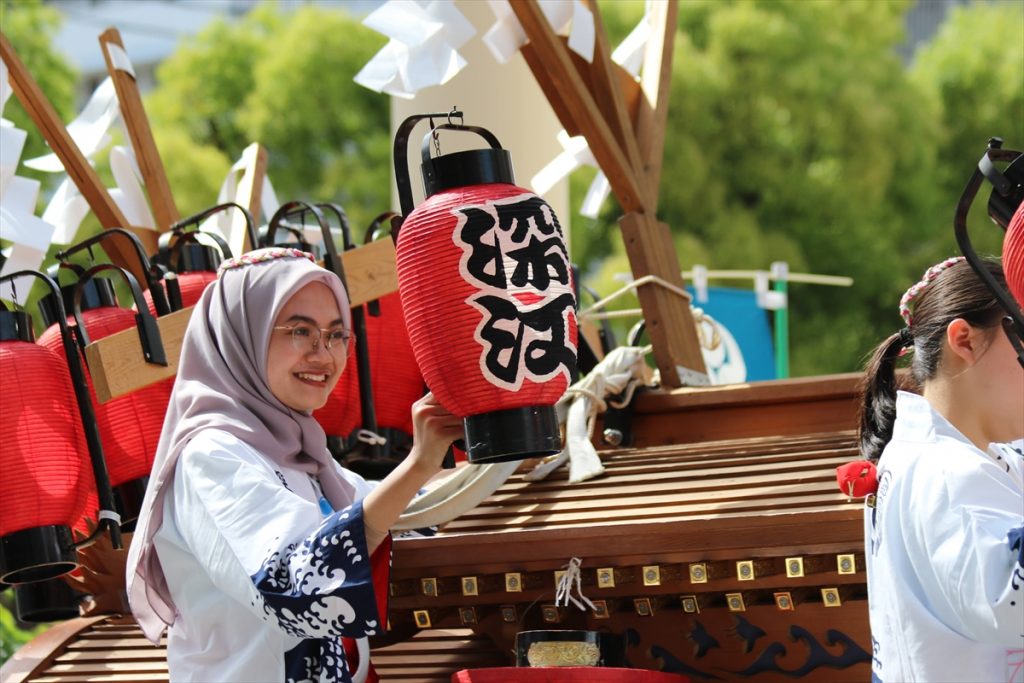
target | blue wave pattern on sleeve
[
  {"x": 322, "y": 587},
  {"x": 322, "y": 661}
]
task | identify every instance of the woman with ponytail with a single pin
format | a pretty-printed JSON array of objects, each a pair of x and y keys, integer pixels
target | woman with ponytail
[{"x": 945, "y": 557}]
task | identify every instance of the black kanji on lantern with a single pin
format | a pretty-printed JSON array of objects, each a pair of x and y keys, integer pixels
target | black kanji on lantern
[{"x": 513, "y": 252}]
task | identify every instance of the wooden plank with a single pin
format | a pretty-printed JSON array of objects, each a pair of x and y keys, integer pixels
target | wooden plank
[
  {"x": 81, "y": 173},
  {"x": 823, "y": 525},
  {"x": 370, "y": 271},
  {"x": 250, "y": 191},
  {"x": 655, "y": 82},
  {"x": 551, "y": 92},
  {"x": 118, "y": 367},
  {"x": 133, "y": 114},
  {"x": 670, "y": 324},
  {"x": 607, "y": 91},
  {"x": 553, "y": 69},
  {"x": 36, "y": 655}
]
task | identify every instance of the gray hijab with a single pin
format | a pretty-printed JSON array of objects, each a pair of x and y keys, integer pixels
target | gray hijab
[{"x": 222, "y": 384}]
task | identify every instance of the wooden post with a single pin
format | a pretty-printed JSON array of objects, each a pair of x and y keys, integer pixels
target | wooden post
[
  {"x": 670, "y": 325},
  {"x": 134, "y": 116},
  {"x": 557, "y": 73},
  {"x": 589, "y": 100},
  {"x": 250, "y": 192},
  {"x": 77, "y": 166}
]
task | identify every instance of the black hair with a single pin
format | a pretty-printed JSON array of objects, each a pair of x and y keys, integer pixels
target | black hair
[{"x": 957, "y": 292}]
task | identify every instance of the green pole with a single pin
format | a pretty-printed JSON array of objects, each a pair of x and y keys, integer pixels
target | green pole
[{"x": 780, "y": 273}]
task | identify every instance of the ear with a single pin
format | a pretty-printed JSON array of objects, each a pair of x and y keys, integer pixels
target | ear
[{"x": 963, "y": 341}]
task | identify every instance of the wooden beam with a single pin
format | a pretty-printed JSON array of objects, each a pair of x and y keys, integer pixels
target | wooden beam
[
  {"x": 607, "y": 91},
  {"x": 551, "y": 91},
  {"x": 134, "y": 116},
  {"x": 655, "y": 82},
  {"x": 554, "y": 71},
  {"x": 82, "y": 174},
  {"x": 250, "y": 189},
  {"x": 118, "y": 367},
  {"x": 670, "y": 325}
]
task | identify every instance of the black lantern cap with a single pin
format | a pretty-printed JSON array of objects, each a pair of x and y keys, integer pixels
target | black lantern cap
[{"x": 513, "y": 434}]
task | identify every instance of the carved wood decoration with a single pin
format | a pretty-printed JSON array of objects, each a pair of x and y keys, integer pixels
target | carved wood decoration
[
  {"x": 591, "y": 100},
  {"x": 82, "y": 174},
  {"x": 134, "y": 116}
]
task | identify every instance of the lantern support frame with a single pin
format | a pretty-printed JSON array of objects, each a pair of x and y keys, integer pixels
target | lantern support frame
[
  {"x": 153, "y": 273},
  {"x": 108, "y": 519}
]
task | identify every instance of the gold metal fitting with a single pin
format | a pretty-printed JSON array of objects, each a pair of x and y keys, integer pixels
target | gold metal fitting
[{"x": 652, "y": 575}]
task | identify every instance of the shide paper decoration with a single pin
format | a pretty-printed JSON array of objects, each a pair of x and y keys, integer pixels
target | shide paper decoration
[{"x": 29, "y": 235}]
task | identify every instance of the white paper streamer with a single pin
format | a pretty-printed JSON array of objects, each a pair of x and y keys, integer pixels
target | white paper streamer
[
  {"x": 231, "y": 224},
  {"x": 506, "y": 35},
  {"x": 120, "y": 59},
  {"x": 128, "y": 193},
  {"x": 88, "y": 130},
  {"x": 423, "y": 50}
]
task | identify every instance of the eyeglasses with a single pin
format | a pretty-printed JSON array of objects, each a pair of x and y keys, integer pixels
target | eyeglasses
[{"x": 305, "y": 338}]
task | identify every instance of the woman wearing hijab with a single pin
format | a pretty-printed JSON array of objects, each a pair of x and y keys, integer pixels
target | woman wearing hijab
[{"x": 253, "y": 547}]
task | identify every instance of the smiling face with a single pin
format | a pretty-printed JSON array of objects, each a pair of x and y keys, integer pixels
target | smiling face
[{"x": 303, "y": 380}]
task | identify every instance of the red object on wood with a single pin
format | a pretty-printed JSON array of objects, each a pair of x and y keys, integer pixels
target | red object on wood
[
  {"x": 857, "y": 479},
  {"x": 1013, "y": 256},
  {"x": 565, "y": 674},
  {"x": 396, "y": 379},
  {"x": 45, "y": 468},
  {"x": 130, "y": 425},
  {"x": 192, "y": 285},
  {"x": 485, "y": 284}
]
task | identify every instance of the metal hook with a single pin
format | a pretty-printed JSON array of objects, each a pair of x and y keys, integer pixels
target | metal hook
[{"x": 457, "y": 114}]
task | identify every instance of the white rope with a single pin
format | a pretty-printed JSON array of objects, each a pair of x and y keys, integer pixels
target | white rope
[
  {"x": 569, "y": 579},
  {"x": 372, "y": 438},
  {"x": 636, "y": 284},
  {"x": 455, "y": 495},
  {"x": 363, "y": 669}
]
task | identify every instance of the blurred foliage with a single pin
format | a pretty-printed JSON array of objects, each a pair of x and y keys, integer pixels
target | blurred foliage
[
  {"x": 13, "y": 633},
  {"x": 30, "y": 25},
  {"x": 796, "y": 134},
  {"x": 269, "y": 78}
]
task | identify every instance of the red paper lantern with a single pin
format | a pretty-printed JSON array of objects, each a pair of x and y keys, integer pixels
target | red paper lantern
[
  {"x": 43, "y": 459},
  {"x": 130, "y": 425},
  {"x": 192, "y": 265},
  {"x": 484, "y": 278},
  {"x": 1013, "y": 256}
]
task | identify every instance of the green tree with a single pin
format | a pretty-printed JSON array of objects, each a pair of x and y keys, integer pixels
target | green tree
[
  {"x": 30, "y": 26},
  {"x": 975, "y": 68},
  {"x": 795, "y": 134},
  {"x": 284, "y": 80}
]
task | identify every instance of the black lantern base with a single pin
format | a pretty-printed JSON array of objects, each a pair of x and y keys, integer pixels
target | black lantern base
[
  {"x": 128, "y": 501},
  {"x": 43, "y": 601},
  {"x": 36, "y": 554},
  {"x": 514, "y": 434}
]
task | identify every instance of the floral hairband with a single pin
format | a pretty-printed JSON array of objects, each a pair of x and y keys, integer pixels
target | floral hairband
[
  {"x": 929, "y": 276},
  {"x": 261, "y": 255}
]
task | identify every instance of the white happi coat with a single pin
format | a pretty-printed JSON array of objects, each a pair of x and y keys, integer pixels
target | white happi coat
[
  {"x": 945, "y": 558},
  {"x": 265, "y": 576}
]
